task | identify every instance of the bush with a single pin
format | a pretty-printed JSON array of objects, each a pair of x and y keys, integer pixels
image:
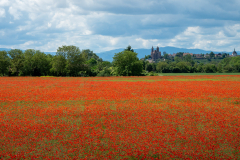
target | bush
[{"x": 104, "y": 73}]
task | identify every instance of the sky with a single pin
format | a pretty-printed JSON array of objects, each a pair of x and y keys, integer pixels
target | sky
[{"x": 102, "y": 25}]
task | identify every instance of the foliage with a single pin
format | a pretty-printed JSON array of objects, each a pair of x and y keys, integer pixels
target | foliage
[
  {"x": 68, "y": 61},
  {"x": 149, "y": 67},
  {"x": 36, "y": 63},
  {"x": 129, "y": 48},
  {"x": 126, "y": 63},
  {"x": 88, "y": 54},
  {"x": 16, "y": 61},
  {"x": 106, "y": 72},
  {"x": 162, "y": 67},
  {"x": 147, "y": 57},
  {"x": 166, "y": 56},
  {"x": 179, "y": 54},
  {"x": 4, "y": 63},
  {"x": 212, "y": 55},
  {"x": 59, "y": 64},
  {"x": 71, "y": 61}
]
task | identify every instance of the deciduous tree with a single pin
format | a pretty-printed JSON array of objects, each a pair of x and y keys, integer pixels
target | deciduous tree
[
  {"x": 126, "y": 63},
  {"x": 16, "y": 61},
  {"x": 4, "y": 63}
]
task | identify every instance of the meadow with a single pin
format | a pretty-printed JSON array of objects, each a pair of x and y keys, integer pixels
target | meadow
[{"x": 160, "y": 117}]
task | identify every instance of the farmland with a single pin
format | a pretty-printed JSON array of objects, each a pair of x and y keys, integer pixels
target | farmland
[{"x": 159, "y": 117}]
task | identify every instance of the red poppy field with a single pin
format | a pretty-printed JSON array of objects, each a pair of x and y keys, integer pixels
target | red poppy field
[{"x": 162, "y": 117}]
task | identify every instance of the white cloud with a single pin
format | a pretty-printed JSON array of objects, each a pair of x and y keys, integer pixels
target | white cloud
[
  {"x": 4, "y": 2},
  {"x": 113, "y": 41},
  {"x": 29, "y": 43},
  {"x": 49, "y": 25},
  {"x": 104, "y": 24},
  {"x": 195, "y": 37},
  {"x": 147, "y": 43},
  {"x": 15, "y": 13},
  {"x": 2, "y": 12}
]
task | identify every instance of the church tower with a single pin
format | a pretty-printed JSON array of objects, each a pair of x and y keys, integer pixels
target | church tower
[
  {"x": 155, "y": 54},
  {"x": 234, "y": 53}
]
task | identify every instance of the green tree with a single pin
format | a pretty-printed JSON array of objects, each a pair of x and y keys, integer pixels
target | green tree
[
  {"x": 72, "y": 59},
  {"x": 16, "y": 61},
  {"x": 126, "y": 63},
  {"x": 49, "y": 60},
  {"x": 199, "y": 67},
  {"x": 180, "y": 54},
  {"x": 177, "y": 59},
  {"x": 166, "y": 56},
  {"x": 4, "y": 63},
  {"x": 147, "y": 57},
  {"x": 212, "y": 55},
  {"x": 28, "y": 62},
  {"x": 59, "y": 64},
  {"x": 35, "y": 63},
  {"x": 92, "y": 62},
  {"x": 224, "y": 55},
  {"x": 88, "y": 54},
  {"x": 162, "y": 67},
  {"x": 149, "y": 67},
  {"x": 229, "y": 64},
  {"x": 106, "y": 72},
  {"x": 92, "y": 67},
  {"x": 235, "y": 63},
  {"x": 129, "y": 48},
  {"x": 209, "y": 68},
  {"x": 188, "y": 58},
  {"x": 184, "y": 67},
  {"x": 103, "y": 64},
  {"x": 41, "y": 63}
]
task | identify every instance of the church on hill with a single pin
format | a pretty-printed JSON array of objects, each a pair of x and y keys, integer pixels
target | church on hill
[{"x": 155, "y": 54}]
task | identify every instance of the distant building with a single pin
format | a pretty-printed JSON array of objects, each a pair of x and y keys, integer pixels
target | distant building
[
  {"x": 184, "y": 54},
  {"x": 150, "y": 60},
  {"x": 206, "y": 55},
  {"x": 218, "y": 55},
  {"x": 155, "y": 54},
  {"x": 234, "y": 53},
  {"x": 199, "y": 56}
]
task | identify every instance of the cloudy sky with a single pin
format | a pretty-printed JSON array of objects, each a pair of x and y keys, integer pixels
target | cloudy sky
[{"x": 102, "y": 25}]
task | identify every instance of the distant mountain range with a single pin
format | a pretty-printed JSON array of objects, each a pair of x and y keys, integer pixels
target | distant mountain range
[
  {"x": 108, "y": 55},
  {"x": 5, "y": 49}
]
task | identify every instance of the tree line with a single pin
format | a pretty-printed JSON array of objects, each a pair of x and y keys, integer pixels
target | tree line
[
  {"x": 71, "y": 61},
  {"x": 187, "y": 64},
  {"x": 68, "y": 61}
]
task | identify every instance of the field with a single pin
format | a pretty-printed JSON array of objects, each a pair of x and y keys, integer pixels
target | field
[{"x": 160, "y": 117}]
